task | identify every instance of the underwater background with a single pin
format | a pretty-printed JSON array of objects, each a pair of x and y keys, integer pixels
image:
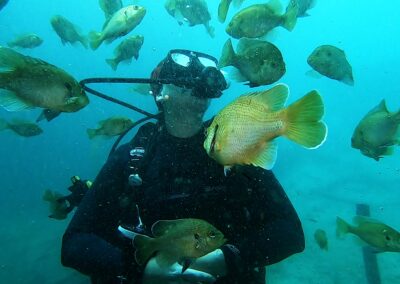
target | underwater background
[{"x": 322, "y": 184}]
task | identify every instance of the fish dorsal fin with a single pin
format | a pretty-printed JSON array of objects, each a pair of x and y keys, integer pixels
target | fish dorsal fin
[
  {"x": 162, "y": 227},
  {"x": 381, "y": 107},
  {"x": 10, "y": 59},
  {"x": 276, "y": 6},
  {"x": 245, "y": 43},
  {"x": 273, "y": 99},
  {"x": 358, "y": 220},
  {"x": 10, "y": 101},
  {"x": 267, "y": 157}
]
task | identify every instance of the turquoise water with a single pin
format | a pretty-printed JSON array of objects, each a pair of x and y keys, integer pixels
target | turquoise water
[{"x": 322, "y": 183}]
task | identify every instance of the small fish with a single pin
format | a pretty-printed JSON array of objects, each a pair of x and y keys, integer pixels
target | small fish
[
  {"x": 375, "y": 233},
  {"x": 244, "y": 131},
  {"x": 257, "y": 20},
  {"x": 3, "y": 3},
  {"x": 121, "y": 23},
  {"x": 259, "y": 62},
  {"x": 22, "y": 128},
  {"x": 331, "y": 62},
  {"x": 58, "y": 207},
  {"x": 321, "y": 239},
  {"x": 127, "y": 49},
  {"x": 378, "y": 132},
  {"x": 177, "y": 240},
  {"x": 191, "y": 12},
  {"x": 26, "y": 41},
  {"x": 304, "y": 6},
  {"x": 111, "y": 127},
  {"x": 109, "y": 7},
  {"x": 25, "y": 83},
  {"x": 67, "y": 31}
]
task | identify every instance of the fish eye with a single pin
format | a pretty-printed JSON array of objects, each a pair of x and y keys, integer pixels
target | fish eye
[
  {"x": 196, "y": 236},
  {"x": 136, "y": 7},
  {"x": 387, "y": 238},
  {"x": 212, "y": 235}
]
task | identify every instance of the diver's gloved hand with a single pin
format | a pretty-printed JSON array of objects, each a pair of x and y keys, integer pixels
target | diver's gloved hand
[
  {"x": 156, "y": 274},
  {"x": 212, "y": 263}
]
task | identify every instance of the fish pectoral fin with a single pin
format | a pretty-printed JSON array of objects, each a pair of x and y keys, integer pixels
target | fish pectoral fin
[
  {"x": 186, "y": 263},
  {"x": 10, "y": 101},
  {"x": 164, "y": 259},
  {"x": 145, "y": 247},
  {"x": 48, "y": 114},
  {"x": 267, "y": 157},
  {"x": 314, "y": 74}
]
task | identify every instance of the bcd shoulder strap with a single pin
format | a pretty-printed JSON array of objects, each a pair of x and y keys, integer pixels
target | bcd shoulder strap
[{"x": 142, "y": 146}]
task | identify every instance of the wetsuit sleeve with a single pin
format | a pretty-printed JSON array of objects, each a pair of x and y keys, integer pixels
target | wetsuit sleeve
[
  {"x": 274, "y": 231},
  {"x": 89, "y": 243}
]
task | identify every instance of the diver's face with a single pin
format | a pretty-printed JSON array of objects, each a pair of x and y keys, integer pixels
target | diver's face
[{"x": 180, "y": 100}]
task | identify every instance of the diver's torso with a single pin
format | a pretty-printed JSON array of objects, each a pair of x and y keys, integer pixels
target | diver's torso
[{"x": 181, "y": 181}]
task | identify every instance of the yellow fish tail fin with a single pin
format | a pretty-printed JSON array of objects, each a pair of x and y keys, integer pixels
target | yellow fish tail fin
[
  {"x": 48, "y": 195},
  {"x": 304, "y": 125},
  {"x": 95, "y": 40},
  {"x": 268, "y": 156},
  {"x": 228, "y": 55},
  {"x": 342, "y": 227},
  {"x": 223, "y": 8},
  {"x": 144, "y": 248},
  {"x": 113, "y": 63},
  {"x": 91, "y": 133},
  {"x": 290, "y": 17}
]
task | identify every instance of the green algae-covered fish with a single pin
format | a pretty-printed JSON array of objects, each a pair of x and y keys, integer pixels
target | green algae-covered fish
[
  {"x": 21, "y": 128},
  {"x": 110, "y": 127},
  {"x": 27, "y": 82},
  {"x": 177, "y": 240},
  {"x": 127, "y": 49},
  {"x": 67, "y": 31},
  {"x": 259, "y": 62},
  {"x": 26, "y": 41},
  {"x": 378, "y": 132}
]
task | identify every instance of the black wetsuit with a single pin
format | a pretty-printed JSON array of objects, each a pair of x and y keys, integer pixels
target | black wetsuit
[{"x": 248, "y": 205}]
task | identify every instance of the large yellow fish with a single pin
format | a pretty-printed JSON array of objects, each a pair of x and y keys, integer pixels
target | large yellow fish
[{"x": 244, "y": 131}]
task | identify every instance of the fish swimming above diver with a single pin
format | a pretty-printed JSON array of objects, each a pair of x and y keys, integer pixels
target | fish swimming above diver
[
  {"x": 127, "y": 49},
  {"x": 27, "y": 82},
  {"x": 110, "y": 127},
  {"x": 67, "y": 31},
  {"x": 191, "y": 12},
  {"x": 377, "y": 133},
  {"x": 178, "y": 240},
  {"x": 26, "y": 41},
  {"x": 330, "y": 61},
  {"x": 378, "y": 235},
  {"x": 244, "y": 132},
  {"x": 258, "y": 20},
  {"x": 304, "y": 6},
  {"x": 121, "y": 23},
  {"x": 258, "y": 62}
]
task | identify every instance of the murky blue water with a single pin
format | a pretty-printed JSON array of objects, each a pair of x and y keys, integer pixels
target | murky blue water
[{"x": 322, "y": 183}]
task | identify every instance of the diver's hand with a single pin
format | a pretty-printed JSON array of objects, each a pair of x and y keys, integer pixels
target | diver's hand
[
  {"x": 156, "y": 274},
  {"x": 212, "y": 263}
]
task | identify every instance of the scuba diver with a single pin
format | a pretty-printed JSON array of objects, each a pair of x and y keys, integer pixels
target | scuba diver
[{"x": 164, "y": 173}]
